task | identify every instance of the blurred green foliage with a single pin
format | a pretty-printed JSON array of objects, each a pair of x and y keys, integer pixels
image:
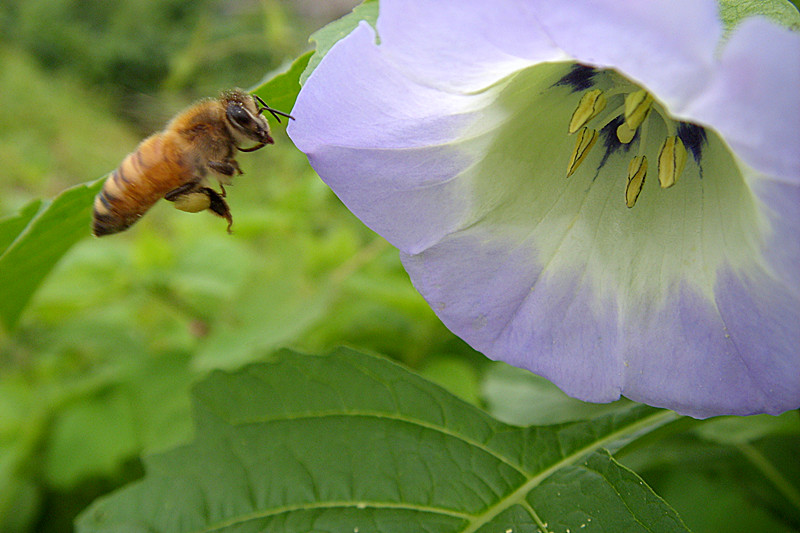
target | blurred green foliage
[{"x": 98, "y": 368}]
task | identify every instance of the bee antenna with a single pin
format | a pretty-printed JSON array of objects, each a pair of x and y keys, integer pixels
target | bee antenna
[{"x": 274, "y": 112}]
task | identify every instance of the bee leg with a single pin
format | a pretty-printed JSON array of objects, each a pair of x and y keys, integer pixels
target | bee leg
[
  {"x": 189, "y": 198},
  {"x": 180, "y": 191},
  {"x": 226, "y": 168},
  {"x": 218, "y": 205},
  {"x": 192, "y": 202}
]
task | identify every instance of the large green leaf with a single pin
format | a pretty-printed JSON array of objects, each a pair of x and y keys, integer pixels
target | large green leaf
[
  {"x": 35, "y": 243},
  {"x": 353, "y": 443}
]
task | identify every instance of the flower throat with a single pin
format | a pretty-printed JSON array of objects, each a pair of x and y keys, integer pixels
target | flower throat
[{"x": 622, "y": 114}]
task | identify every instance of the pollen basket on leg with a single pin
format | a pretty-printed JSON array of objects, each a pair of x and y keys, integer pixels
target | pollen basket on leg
[{"x": 192, "y": 202}]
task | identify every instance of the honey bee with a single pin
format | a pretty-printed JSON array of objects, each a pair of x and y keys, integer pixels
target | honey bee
[{"x": 176, "y": 163}]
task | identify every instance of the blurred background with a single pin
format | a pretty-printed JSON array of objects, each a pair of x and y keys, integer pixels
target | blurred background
[{"x": 99, "y": 369}]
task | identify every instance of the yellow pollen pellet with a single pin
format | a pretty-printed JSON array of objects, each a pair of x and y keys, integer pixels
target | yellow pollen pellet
[
  {"x": 637, "y": 170},
  {"x": 637, "y": 107},
  {"x": 584, "y": 143},
  {"x": 592, "y": 102},
  {"x": 193, "y": 202},
  {"x": 671, "y": 160}
]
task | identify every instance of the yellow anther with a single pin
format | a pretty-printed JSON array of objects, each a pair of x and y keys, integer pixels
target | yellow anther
[
  {"x": 637, "y": 170},
  {"x": 584, "y": 143},
  {"x": 637, "y": 106},
  {"x": 671, "y": 160},
  {"x": 592, "y": 102},
  {"x": 624, "y": 133}
]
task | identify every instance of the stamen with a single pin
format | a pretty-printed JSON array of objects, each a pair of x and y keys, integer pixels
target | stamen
[
  {"x": 609, "y": 116},
  {"x": 637, "y": 170},
  {"x": 620, "y": 113},
  {"x": 591, "y": 104},
  {"x": 624, "y": 133},
  {"x": 585, "y": 141},
  {"x": 671, "y": 160},
  {"x": 637, "y": 107}
]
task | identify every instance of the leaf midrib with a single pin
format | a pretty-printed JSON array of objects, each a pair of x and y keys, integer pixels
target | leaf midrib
[
  {"x": 361, "y": 504},
  {"x": 518, "y": 496},
  {"x": 474, "y": 521}
]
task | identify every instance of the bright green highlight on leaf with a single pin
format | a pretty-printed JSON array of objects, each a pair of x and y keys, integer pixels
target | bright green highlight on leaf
[{"x": 350, "y": 442}]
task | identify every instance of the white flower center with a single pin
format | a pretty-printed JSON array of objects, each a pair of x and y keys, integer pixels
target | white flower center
[{"x": 677, "y": 234}]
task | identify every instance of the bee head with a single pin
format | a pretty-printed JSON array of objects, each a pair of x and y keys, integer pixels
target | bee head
[{"x": 246, "y": 120}]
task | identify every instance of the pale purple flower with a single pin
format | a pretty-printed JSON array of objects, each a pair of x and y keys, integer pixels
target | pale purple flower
[{"x": 447, "y": 133}]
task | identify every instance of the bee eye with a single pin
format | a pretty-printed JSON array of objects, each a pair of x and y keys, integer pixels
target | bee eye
[{"x": 239, "y": 116}]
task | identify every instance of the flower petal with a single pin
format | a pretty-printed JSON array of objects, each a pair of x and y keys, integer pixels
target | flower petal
[
  {"x": 510, "y": 306},
  {"x": 685, "y": 355},
  {"x": 735, "y": 355},
  {"x": 753, "y": 98},
  {"x": 384, "y": 142},
  {"x": 781, "y": 203},
  {"x": 666, "y": 45},
  {"x": 454, "y": 45},
  {"x": 449, "y": 139}
]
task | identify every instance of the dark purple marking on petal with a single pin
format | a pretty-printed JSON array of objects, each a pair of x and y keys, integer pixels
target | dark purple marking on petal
[
  {"x": 580, "y": 78},
  {"x": 694, "y": 139},
  {"x": 610, "y": 139},
  {"x": 611, "y": 142}
]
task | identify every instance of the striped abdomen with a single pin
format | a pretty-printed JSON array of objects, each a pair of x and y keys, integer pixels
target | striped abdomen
[{"x": 144, "y": 177}]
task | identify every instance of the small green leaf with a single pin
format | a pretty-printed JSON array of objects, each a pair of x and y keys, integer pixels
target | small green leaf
[
  {"x": 331, "y": 34},
  {"x": 733, "y": 12},
  {"x": 280, "y": 90},
  {"x": 349, "y": 442},
  {"x": 755, "y": 485},
  {"x": 38, "y": 245}
]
